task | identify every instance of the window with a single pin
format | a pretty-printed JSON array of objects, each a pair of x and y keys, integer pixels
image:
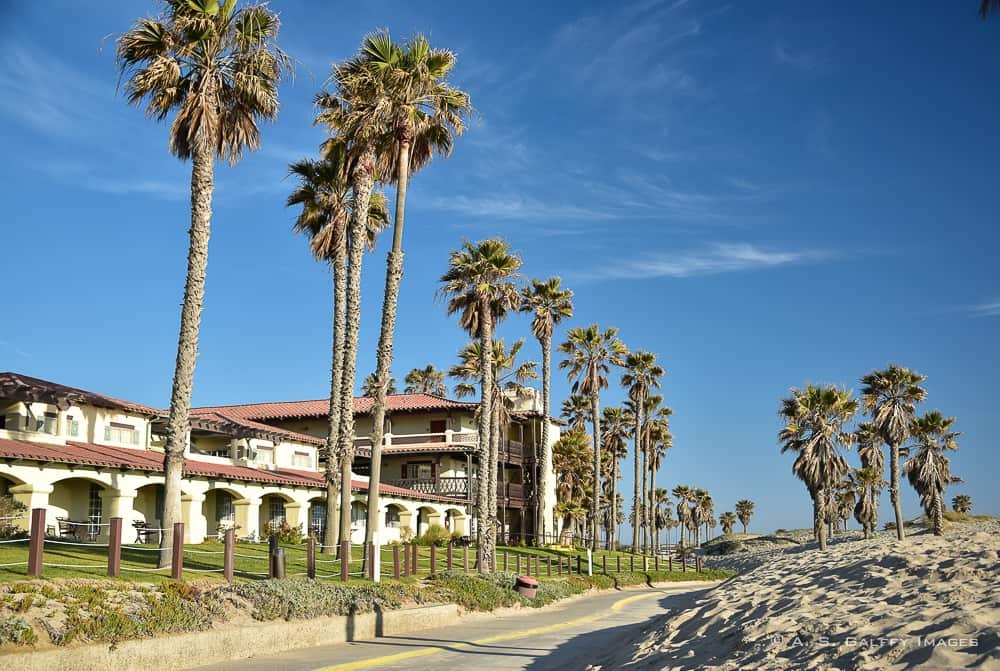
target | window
[
  {"x": 95, "y": 512},
  {"x": 317, "y": 520},
  {"x": 117, "y": 432},
  {"x": 392, "y": 517},
  {"x": 265, "y": 455},
  {"x": 359, "y": 515},
  {"x": 302, "y": 459},
  {"x": 225, "y": 511},
  {"x": 50, "y": 423},
  {"x": 419, "y": 470},
  {"x": 277, "y": 510},
  {"x": 72, "y": 426}
]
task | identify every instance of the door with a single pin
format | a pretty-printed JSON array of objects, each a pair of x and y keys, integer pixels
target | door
[{"x": 438, "y": 427}]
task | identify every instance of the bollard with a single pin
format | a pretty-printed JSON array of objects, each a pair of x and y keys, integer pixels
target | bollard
[
  {"x": 277, "y": 564},
  {"x": 177, "y": 560},
  {"x": 395, "y": 561},
  {"x": 311, "y": 558},
  {"x": 115, "y": 547},
  {"x": 37, "y": 542},
  {"x": 656, "y": 563},
  {"x": 345, "y": 560},
  {"x": 450, "y": 558},
  {"x": 228, "y": 555},
  {"x": 697, "y": 564},
  {"x": 559, "y": 564}
]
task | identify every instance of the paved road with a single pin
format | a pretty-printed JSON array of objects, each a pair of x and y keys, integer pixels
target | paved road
[{"x": 565, "y": 636}]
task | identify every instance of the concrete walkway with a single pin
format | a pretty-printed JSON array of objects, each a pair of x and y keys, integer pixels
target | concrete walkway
[{"x": 568, "y": 635}]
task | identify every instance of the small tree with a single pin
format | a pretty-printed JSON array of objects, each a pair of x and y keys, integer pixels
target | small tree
[
  {"x": 744, "y": 510},
  {"x": 962, "y": 503}
]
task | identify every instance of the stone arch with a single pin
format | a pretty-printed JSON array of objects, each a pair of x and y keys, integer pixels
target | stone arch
[
  {"x": 426, "y": 516},
  {"x": 76, "y": 506}
]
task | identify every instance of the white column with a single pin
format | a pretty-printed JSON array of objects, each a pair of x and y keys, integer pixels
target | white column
[
  {"x": 33, "y": 496},
  {"x": 193, "y": 516},
  {"x": 118, "y": 503},
  {"x": 247, "y": 517}
]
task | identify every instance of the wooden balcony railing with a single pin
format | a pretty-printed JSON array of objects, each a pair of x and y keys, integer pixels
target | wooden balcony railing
[{"x": 516, "y": 494}]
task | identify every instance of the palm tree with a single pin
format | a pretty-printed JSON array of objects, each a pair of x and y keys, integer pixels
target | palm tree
[
  {"x": 642, "y": 374},
  {"x": 370, "y": 386},
  {"x": 549, "y": 304},
  {"x": 659, "y": 440},
  {"x": 728, "y": 521},
  {"x": 814, "y": 429},
  {"x": 869, "y": 442},
  {"x": 962, "y": 503},
  {"x": 421, "y": 114},
  {"x": 845, "y": 500},
  {"x": 427, "y": 380},
  {"x": 323, "y": 192},
  {"x": 590, "y": 354},
  {"x": 890, "y": 397},
  {"x": 479, "y": 286},
  {"x": 576, "y": 411},
  {"x": 683, "y": 494},
  {"x": 219, "y": 69},
  {"x": 929, "y": 471},
  {"x": 701, "y": 510},
  {"x": 868, "y": 483},
  {"x": 509, "y": 377},
  {"x": 571, "y": 461},
  {"x": 744, "y": 510},
  {"x": 661, "y": 514},
  {"x": 617, "y": 423}
]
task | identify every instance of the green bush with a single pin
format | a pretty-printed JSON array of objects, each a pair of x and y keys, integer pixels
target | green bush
[
  {"x": 726, "y": 548},
  {"x": 300, "y": 599},
  {"x": 474, "y": 592},
  {"x": 17, "y": 630},
  {"x": 11, "y": 510},
  {"x": 435, "y": 535},
  {"x": 284, "y": 532}
]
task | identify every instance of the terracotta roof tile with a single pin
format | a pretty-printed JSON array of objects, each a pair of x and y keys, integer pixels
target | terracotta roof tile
[
  {"x": 320, "y": 408},
  {"x": 220, "y": 419},
  {"x": 24, "y": 387}
]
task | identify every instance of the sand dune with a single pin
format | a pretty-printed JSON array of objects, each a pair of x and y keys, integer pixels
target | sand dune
[{"x": 926, "y": 602}]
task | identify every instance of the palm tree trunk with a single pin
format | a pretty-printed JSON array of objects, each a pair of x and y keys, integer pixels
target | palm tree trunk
[
  {"x": 178, "y": 422},
  {"x": 495, "y": 522},
  {"x": 938, "y": 516},
  {"x": 390, "y": 302},
  {"x": 614, "y": 500},
  {"x": 894, "y": 489},
  {"x": 637, "y": 442},
  {"x": 484, "y": 531},
  {"x": 333, "y": 456},
  {"x": 541, "y": 525},
  {"x": 362, "y": 182},
  {"x": 595, "y": 504},
  {"x": 819, "y": 518}
]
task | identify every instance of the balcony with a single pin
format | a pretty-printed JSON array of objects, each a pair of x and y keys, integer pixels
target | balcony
[
  {"x": 428, "y": 440},
  {"x": 515, "y": 494}
]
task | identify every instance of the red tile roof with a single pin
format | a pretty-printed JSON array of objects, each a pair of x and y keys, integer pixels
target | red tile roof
[
  {"x": 88, "y": 454},
  {"x": 225, "y": 422},
  {"x": 320, "y": 408},
  {"x": 23, "y": 387}
]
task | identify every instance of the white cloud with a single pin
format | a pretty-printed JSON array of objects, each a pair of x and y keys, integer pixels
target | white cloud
[
  {"x": 716, "y": 259},
  {"x": 989, "y": 309},
  {"x": 513, "y": 206}
]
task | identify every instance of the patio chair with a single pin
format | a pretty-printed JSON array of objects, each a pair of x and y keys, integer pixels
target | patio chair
[{"x": 68, "y": 528}]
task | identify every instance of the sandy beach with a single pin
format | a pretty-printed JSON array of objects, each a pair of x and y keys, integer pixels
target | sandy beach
[{"x": 927, "y": 602}]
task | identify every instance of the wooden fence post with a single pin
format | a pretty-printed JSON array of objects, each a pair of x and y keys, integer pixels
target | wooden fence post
[
  {"x": 670, "y": 563},
  {"x": 631, "y": 563},
  {"x": 37, "y": 543},
  {"x": 619, "y": 559},
  {"x": 518, "y": 564},
  {"x": 228, "y": 554},
  {"x": 604, "y": 564},
  {"x": 465, "y": 558},
  {"x": 548, "y": 566},
  {"x": 177, "y": 560},
  {"x": 115, "y": 547},
  {"x": 656, "y": 563},
  {"x": 697, "y": 563},
  {"x": 579, "y": 564},
  {"x": 311, "y": 558},
  {"x": 395, "y": 561},
  {"x": 414, "y": 565},
  {"x": 434, "y": 558},
  {"x": 451, "y": 559},
  {"x": 345, "y": 560}
]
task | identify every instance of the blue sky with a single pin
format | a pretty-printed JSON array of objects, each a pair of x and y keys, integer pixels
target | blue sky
[{"x": 765, "y": 194}]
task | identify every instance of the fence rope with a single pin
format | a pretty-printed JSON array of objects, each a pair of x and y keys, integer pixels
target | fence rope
[
  {"x": 204, "y": 570},
  {"x": 205, "y": 552},
  {"x": 145, "y": 570},
  {"x": 237, "y": 554},
  {"x": 75, "y": 565},
  {"x": 137, "y": 547},
  {"x": 16, "y": 540},
  {"x": 17, "y": 563},
  {"x": 86, "y": 545}
]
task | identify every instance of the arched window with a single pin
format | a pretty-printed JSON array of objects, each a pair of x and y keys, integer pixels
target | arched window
[
  {"x": 95, "y": 511},
  {"x": 225, "y": 511},
  {"x": 392, "y": 517}
]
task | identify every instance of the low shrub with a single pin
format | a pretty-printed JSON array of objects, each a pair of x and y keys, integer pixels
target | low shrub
[
  {"x": 725, "y": 548},
  {"x": 434, "y": 535},
  {"x": 475, "y": 592},
  {"x": 299, "y": 599},
  {"x": 12, "y": 511},
  {"x": 17, "y": 630},
  {"x": 284, "y": 532}
]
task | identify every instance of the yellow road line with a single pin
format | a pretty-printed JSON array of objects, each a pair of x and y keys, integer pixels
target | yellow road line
[{"x": 424, "y": 652}]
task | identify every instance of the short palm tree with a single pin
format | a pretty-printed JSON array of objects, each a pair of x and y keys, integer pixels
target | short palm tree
[
  {"x": 962, "y": 503},
  {"x": 571, "y": 461},
  {"x": 868, "y": 483},
  {"x": 617, "y": 423},
  {"x": 641, "y": 375},
  {"x": 548, "y": 304},
  {"x": 662, "y": 514},
  {"x": 576, "y": 411},
  {"x": 218, "y": 68},
  {"x": 426, "y": 380},
  {"x": 324, "y": 197},
  {"x": 422, "y": 114},
  {"x": 370, "y": 386},
  {"x": 890, "y": 397},
  {"x": 728, "y": 521},
  {"x": 683, "y": 494},
  {"x": 658, "y": 441},
  {"x": 744, "y": 510},
  {"x": 479, "y": 285},
  {"x": 929, "y": 470},
  {"x": 815, "y": 418},
  {"x": 701, "y": 511},
  {"x": 590, "y": 353}
]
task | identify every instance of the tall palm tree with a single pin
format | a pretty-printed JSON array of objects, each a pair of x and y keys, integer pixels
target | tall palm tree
[
  {"x": 683, "y": 494},
  {"x": 867, "y": 483},
  {"x": 371, "y": 385},
  {"x": 728, "y": 521},
  {"x": 590, "y": 353},
  {"x": 548, "y": 303},
  {"x": 324, "y": 196},
  {"x": 509, "y": 376},
  {"x": 422, "y": 114},
  {"x": 218, "y": 68},
  {"x": 426, "y": 380},
  {"x": 616, "y": 426},
  {"x": 890, "y": 397},
  {"x": 962, "y": 503},
  {"x": 480, "y": 288},
  {"x": 929, "y": 471},
  {"x": 576, "y": 411},
  {"x": 642, "y": 374},
  {"x": 744, "y": 510},
  {"x": 815, "y": 418}
]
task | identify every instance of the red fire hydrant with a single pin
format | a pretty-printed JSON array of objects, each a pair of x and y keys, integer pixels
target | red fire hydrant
[{"x": 526, "y": 586}]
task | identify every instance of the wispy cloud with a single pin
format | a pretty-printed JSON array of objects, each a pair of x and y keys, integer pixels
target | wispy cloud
[
  {"x": 988, "y": 309},
  {"x": 514, "y": 206},
  {"x": 4, "y": 345},
  {"x": 91, "y": 178},
  {"x": 806, "y": 60},
  {"x": 713, "y": 260}
]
